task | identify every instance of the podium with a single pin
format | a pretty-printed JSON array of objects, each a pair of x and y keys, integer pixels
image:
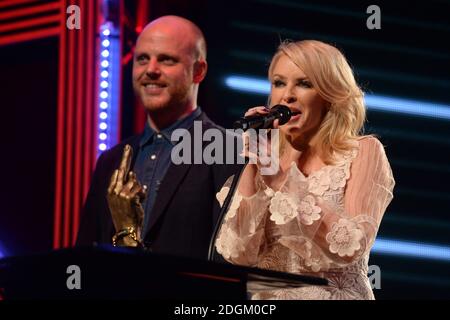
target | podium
[{"x": 106, "y": 272}]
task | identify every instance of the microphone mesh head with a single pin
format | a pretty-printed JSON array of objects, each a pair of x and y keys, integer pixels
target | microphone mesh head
[{"x": 283, "y": 111}]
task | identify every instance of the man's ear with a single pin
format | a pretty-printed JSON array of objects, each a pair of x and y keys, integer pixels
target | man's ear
[{"x": 200, "y": 68}]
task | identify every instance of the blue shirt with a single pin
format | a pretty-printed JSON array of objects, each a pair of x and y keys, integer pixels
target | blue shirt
[{"x": 153, "y": 158}]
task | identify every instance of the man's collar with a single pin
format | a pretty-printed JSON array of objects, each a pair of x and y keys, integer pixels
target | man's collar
[{"x": 183, "y": 123}]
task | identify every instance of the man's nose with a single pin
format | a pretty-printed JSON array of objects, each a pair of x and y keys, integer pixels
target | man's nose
[{"x": 153, "y": 69}]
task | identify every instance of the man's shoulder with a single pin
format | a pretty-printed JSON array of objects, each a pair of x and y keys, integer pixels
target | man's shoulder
[
  {"x": 207, "y": 123},
  {"x": 117, "y": 151}
]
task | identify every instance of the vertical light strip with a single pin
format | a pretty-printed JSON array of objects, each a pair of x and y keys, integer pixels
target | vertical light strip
[
  {"x": 109, "y": 80},
  {"x": 105, "y": 107}
]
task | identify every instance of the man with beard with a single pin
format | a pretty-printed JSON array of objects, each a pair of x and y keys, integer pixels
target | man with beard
[{"x": 138, "y": 197}]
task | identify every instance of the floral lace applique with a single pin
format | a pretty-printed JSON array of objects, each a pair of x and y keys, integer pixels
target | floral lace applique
[
  {"x": 339, "y": 176},
  {"x": 222, "y": 195},
  {"x": 332, "y": 177},
  {"x": 314, "y": 263},
  {"x": 319, "y": 183},
  {"x": 269, "y": 192},
  {"x": 282, "y": 208},
  {"x": 228, "y": 244},
  {"x": 273, "y": 260},
  {"x": 235, "y": 203},
  {"x": 345, "y": 238},
  {"x": 308, "y": 210},
  {"x": 348, "y": 287}
]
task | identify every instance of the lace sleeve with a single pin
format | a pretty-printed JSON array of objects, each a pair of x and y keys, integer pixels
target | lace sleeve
[
  {"x": 336, "y": 222},
  {"x": 242, "y": 232}
]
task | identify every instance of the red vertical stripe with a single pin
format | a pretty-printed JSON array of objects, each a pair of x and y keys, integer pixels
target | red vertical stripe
[
  {"x": 60, "y": 131},
  {"x": 69, "y": 119},
  {"x": 81, "y": 69},
  {"x": 95, "y": 79},
  {"x": 95, "y": 108},
  {"x": 119, "y": 84},
  {"x": 88, "y": 103},
  {"x": 141, "y": 14},
  {"x": 142, "y": 17},
  {"x": 77, "y": 119}
]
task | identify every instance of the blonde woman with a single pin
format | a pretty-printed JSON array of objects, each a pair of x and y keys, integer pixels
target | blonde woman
[{"x": 319, "y": 215}]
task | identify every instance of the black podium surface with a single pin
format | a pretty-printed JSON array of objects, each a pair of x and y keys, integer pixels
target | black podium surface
[{"x": 123, "y": 273}]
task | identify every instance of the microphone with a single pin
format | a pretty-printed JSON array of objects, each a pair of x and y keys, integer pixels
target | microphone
[{"x": 279, "y": 111}]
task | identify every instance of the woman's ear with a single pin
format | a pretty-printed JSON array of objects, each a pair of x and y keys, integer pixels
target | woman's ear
[{"x": 200, "y": 68}]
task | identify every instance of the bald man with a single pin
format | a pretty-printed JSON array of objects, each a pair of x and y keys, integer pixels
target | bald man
[
  {"x": 169, "y": 64},
  {"x": 138, "y": 197}
]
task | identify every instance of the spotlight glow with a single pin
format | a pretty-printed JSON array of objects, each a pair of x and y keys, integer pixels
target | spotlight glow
[
  {"x": 248, "y": 84},
  {"x": 373, "y": 102},
  {"x": 419, "y": 250}
]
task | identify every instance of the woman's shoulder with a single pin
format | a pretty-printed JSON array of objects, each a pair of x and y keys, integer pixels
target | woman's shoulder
[
  {"x": 361, "y": 148},
  {"x": 370, "y": 146},
  {"x": 370, "y": 141},
  {"x": 372, "y": 154}
]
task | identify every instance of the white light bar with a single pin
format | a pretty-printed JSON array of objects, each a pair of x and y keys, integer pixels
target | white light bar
[
  {"x": 411, "y": 249},
  {"x": 373, "y": 102}
]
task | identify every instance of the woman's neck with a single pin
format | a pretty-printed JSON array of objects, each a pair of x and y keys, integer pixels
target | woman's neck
[{"x": 308, "y": 159}]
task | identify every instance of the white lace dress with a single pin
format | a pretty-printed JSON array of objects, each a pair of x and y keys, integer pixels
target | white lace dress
[{"x": 322, "y": 225}]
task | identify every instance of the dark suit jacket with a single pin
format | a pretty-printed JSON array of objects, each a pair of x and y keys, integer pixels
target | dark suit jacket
[{"x": 185, "y": 210}]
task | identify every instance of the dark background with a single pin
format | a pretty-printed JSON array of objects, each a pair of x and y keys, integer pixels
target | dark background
[{"x": 408, "y": 58}]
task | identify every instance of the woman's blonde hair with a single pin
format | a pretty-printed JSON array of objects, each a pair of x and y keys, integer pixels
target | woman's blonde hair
[{"x": 332, "y": 77}]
